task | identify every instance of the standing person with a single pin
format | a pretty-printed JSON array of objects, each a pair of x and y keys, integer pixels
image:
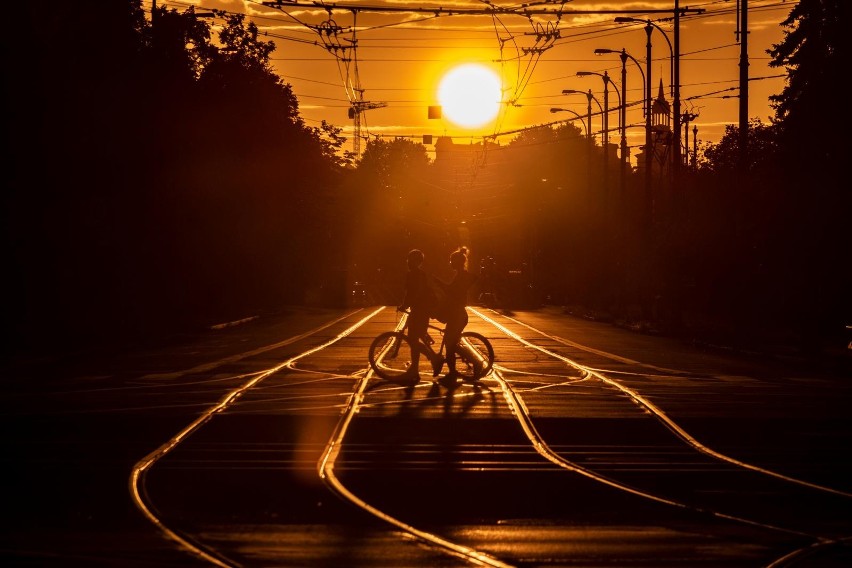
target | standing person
[
  {"x": 418, "y": 297},
  {"x": 455, "y": 308}
]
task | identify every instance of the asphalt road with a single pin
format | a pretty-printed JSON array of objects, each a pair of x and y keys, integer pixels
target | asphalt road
[{"x": 270, "y": 443}]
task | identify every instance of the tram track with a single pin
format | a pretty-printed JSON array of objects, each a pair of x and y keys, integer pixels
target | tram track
[
  {"x": 526, "y": 422},
  {"x": 501, "y": 457},
  {"x": 516, "y": 401}
]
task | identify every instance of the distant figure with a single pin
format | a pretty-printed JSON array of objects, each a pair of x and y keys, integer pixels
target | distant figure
[
  {"x": 455, "y": 306},
  {"x": 419, "y": 299}
]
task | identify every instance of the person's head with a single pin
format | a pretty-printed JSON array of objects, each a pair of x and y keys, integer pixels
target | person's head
[
  {"x": 458, "y": 259},
  {"x": 415, "y": 258}
]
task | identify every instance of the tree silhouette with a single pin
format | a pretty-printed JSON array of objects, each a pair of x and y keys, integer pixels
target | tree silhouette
[
  {"x": 159, "y": 182},
  {"x": 814, "y": 50},
  {"x": 817, "y": 200}
]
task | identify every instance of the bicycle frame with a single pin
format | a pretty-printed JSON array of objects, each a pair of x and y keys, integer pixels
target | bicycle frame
[{"x": 463, "y": 348}]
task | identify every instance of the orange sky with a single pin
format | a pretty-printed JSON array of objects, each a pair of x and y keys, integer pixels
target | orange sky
[{"x": 401, "y": 56}]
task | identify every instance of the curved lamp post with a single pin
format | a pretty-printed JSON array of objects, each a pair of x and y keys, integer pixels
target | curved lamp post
[
  {"x": 583, "y": 122},
  {"x": 649, "y": 27},
  {"x": 625, "y": 159},
  {"x": 673, "y": 73},
  {"x": 624, "y": 57},
  {"x": 590, "y": 97},
  {"x": 606, "y": 81}
]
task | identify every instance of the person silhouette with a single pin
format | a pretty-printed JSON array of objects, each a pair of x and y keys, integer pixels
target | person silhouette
[
  {"x": 418, "y": 299},
  {"x": 455, "y": 309}
]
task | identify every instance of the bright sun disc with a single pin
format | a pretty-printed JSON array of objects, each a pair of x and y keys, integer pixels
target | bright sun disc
[{"x": 470, "y": 95}]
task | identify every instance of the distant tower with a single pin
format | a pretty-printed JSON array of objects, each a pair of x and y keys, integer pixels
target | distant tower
[
  {"x": 661, "y": 129},
  {"x": 661, "y": 113}
]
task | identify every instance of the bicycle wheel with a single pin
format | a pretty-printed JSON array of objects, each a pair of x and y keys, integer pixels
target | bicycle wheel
[
  {"x": 390, "y": 355},
  {"x": 475, "y": 356}
]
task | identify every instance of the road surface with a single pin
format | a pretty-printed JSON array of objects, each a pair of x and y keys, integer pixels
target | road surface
[{"x": 271, "y": 443}]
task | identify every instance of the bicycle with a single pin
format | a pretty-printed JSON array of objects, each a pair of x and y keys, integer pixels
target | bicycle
[{"x": 391, "y": 352}]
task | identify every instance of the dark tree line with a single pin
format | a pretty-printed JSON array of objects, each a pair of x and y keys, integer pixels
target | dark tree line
[
  {"x": 159, "y": 182},
  {"x": 787, "y": 241}
]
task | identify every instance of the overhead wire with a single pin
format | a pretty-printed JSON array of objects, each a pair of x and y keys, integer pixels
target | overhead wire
[{"x": 506, "y": 33}]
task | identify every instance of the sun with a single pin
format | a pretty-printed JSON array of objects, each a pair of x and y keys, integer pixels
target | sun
[{"x": 470, "y": 95}]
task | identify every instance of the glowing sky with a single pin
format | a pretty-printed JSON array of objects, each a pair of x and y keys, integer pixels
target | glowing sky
[{"x": 400, "y": 57}]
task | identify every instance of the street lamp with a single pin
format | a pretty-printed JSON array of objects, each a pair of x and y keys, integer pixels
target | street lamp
[
  {"x": 624, "y": 57},
  {"x": 606, "y": 81},
  {"x": 673, "y": 72},
  {"x": 590, "y": 97},
  {"x": 583, "y": 122},
  {"x": 649, "y": 27},
  {"x": 588, "y": 135},
  {"x": 623, "y": 116}
]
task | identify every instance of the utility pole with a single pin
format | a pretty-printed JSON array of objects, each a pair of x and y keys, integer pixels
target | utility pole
[
  {"x": 743, "y": 37},
  {"x": 676, "y": 111},
  {"x": 589, "y": 98},
  {"x": 648, "y": 150},
  {"x": 622, "y": 121},
  {"x": 622, "y": 103},
  {"x": 606, "y": 138}
]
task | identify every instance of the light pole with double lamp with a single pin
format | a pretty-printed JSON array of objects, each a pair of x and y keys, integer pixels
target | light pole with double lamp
[
  {"x": 674, "y": 71},
  {"x": 649, "y": 27},
  {"x": 588, "y": 135},
  {"x": 606, "y": 81},
  {"x": 589, "y": 97},
  {"x": 625, "y": 159}
]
